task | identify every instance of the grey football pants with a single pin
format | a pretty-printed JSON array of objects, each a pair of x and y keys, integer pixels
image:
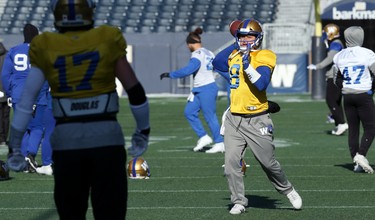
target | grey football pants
[{"x": 254, "y": 133}]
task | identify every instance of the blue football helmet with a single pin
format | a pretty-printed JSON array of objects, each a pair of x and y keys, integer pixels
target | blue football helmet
[{"x": 250, "y": 27}]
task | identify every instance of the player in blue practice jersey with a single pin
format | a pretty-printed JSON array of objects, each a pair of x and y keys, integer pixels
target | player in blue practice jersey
[
  {"x": 15, "y": 70},
  {"x": 81, "y": 64},
  {"x": 203, "y": 95}
]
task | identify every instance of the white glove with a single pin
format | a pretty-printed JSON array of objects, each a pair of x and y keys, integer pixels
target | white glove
[
  {"x": 311, "y": 67},
  {"x": 1, "y": 94},
  {"x": 9, "y": 101},
  {"x": 139, "y": 144}
]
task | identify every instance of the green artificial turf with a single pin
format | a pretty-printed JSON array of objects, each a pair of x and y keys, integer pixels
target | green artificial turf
[{"x": 190, "y": 185}]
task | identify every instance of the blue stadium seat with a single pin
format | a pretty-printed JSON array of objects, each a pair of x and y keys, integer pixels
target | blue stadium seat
[{"x": 155, "y": 15}]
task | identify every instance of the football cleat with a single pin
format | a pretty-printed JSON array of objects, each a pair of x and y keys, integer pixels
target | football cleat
[
  {"x": 237, "y": 209},
  {"x": 138, "y": 169},
  {"x": 250, "y": 27},
  {"x": 4, "y": 171},
  {"x": 73, "y": 13},
  {"x": 340, "y": 129},
  {"x": 202, "y": 142},
  {"x": 295, "y": 199},
  {"x": 363, "y": 162},
  {"x": 45, "y": 170},
  {"x": 216, "y": 148}
]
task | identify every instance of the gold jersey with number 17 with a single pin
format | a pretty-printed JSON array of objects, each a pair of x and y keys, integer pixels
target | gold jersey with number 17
[{"x": 81, "y": 63}]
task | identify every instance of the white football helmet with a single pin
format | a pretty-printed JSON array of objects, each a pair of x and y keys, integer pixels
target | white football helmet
[{"x": 138, "y": 169}]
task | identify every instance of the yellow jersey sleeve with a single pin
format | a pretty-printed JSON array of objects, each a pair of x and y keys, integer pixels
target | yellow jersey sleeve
[
  {"x": 244, "y": 96},
  {"x": 81, "y": 63}
]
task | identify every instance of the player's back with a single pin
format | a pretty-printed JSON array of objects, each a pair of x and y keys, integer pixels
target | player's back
[
  {"x": 80, "y": 63},
  {"x": 17, "y": 65}
]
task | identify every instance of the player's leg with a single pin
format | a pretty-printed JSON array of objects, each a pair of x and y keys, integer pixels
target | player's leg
[
  {"x": 72, "y": 170},
  {"x": 235, "y": 148},
  {"x": 108, "y": 173},
  {"x": 354, "y": 123}
]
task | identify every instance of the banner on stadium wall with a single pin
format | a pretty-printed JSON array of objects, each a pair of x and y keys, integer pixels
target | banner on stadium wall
[
  {"x": 290, "y": 74},
  {"x": 350, "y": 10}
]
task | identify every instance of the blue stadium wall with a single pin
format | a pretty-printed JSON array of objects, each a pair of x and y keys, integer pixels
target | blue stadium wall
[{"x": 153, "y": 54}]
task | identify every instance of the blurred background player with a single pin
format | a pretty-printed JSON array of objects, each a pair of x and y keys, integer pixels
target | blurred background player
[
  {"x": 14, "y": 73},
  {"x": 331, "y": 34},
  {"x": 81, "y": 64},
  {"x": 4, "y": 108},
  {"x": 248, "y": 124},
  {"x": 356, "y": 68},
  {"x": 203, "y": 95}
]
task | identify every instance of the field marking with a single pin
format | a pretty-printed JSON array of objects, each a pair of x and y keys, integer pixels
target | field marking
[
  {"x": 209, "y": 191},
  {"x": 201, "y": 207}
]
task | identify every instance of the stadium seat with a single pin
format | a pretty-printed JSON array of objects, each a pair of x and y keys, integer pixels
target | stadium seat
[{"x": 186, "y": 14}]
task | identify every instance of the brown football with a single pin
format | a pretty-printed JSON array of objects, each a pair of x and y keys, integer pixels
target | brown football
[{"x": 234, "y": 26}]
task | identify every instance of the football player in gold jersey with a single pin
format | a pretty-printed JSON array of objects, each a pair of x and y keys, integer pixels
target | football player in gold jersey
[
  {"x": 81, "y": 63},
  {"x": 248, "y": 123}
]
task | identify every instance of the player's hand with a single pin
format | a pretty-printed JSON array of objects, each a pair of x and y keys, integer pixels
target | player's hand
[
  {"x": 311, "y": 67},
  {"x": 9, "y": 102},
  {"x": 139, "y": 143},
  {"x": 246, "y": 59},
  {"x": 164, "y": 75},
  {"x": 16, "y": 161}
]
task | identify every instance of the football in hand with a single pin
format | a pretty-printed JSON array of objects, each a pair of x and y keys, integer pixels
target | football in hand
[{"x": 233, "y": 26}]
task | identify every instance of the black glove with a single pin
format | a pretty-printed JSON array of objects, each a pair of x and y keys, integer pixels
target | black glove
[
  {"x": 164, "y": 75},
  {"x": 273, "y": 107}
]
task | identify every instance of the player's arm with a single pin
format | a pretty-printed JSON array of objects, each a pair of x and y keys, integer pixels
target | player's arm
[
  {"x": 261, "y": 76},
  {"x": 328, "y": 60},
  {"x": 191, "y": 68},
  {"x": 220, "y": 61},
  {"x": 138, "y": 105},
  {"x": 136, "y": 93}
]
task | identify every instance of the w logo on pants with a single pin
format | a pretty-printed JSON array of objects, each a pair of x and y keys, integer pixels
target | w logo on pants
[{"x": 266, "y": 130}]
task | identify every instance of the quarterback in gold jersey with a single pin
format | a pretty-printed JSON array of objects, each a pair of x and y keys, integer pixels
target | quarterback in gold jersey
[
  {"x": 248, "y": 123},
  {"x": 81, "y": 64}
]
